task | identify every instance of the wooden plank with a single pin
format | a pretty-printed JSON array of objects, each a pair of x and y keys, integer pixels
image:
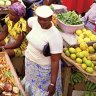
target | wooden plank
[{"x": 66, "y": 75}]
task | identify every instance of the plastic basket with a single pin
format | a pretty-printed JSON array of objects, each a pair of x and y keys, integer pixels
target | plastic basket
[{"x": 69, "y": 28}]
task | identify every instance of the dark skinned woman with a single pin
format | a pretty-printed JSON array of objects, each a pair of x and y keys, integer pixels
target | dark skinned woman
[
  {"x": 42, "y": 74},
  {"x": 12, "y": 39}
]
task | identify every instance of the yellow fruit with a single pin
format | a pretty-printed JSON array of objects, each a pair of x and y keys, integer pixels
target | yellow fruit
[
  {"x": 80, "y": 55},
  {"x": 80, "y": 40},
  {"x": 81, "y": 36},
  {"x": 86, "y": 54},
  {"x": 67, "y": 53},
  {"x": 78, "y": 50},
  {"x": 88, "y": 63},
  {"x": 64, "y": 49},
  {"x": 84, "y": 66},
  {"x": 87, "y": 39},
  {"x": 84, "y": 59},
  {"x": 84, "y": 29},
  {"x": 79, "y": 60},
  {"x": 72, "y": 50},
  {"x": 83, "y": 46},
  {"x": 78, "y": 32},
  {"x": 94, "y": 45},
  {"x": 91, "y": 49},
  {"x": 73, "y": 56},
  {"x": 89, "y": 70}
]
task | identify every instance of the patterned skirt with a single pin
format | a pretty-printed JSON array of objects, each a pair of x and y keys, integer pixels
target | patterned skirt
[{"x": 37, "y": 79}]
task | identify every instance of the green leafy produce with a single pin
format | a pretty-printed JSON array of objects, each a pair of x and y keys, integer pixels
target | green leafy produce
[{"x": 70, "y": 18}]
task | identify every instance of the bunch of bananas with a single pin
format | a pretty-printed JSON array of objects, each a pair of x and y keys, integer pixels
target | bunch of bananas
[
  {"x": 90, "y": 86},
  {"x": 88, "y": 93},
  {"x": 76, "y": 78}
]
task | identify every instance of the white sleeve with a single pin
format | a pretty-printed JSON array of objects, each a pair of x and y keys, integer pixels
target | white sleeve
[
  {"x": 56, "y": 44},
  {"x": 30, "y": 20}
]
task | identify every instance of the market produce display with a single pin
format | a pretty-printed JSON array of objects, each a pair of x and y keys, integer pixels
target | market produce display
[
  {"x": 70, "y": 18},
  {"x": 83, "y": 56},
  {"x": 85, "y": 35},
  {"x": 5, "y": 3},
  {"x": 7, "y": 83}
]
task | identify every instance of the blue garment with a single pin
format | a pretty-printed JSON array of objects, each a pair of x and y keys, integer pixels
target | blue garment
[
  {"x": 37, "y": 79},
  {"x": 29, "y": 5}
]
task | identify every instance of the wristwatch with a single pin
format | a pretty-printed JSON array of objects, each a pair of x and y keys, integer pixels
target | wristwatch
[{"x": 52, "y": 84}]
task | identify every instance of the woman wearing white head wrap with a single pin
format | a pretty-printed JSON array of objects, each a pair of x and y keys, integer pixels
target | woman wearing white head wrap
[{"x": 42, "y": 73}]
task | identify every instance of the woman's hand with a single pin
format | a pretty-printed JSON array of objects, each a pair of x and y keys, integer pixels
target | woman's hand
[{"x": 51, "y": 90}]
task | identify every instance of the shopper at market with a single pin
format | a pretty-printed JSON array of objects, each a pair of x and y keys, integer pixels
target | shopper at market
[
  {"x": 41, "y": 72},
  {"x": 91, "y": 14},
  {"x": 30, "y": 5},
  {"x": 13, "y": 38},
  {"x": 49, "y": 2}
]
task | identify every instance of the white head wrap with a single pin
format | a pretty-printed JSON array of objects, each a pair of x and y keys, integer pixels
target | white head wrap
[{"x": 44, "y": 11}]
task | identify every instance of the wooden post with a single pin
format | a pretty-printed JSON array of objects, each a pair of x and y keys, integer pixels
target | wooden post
[{"x": 66, "y": 76}]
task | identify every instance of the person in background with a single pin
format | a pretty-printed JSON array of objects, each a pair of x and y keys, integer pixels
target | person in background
[
  {"x": 49, "y": 2},
  {"x": 12, "y": 39},
  {"x": 29, "y": 5},
  {"x": 42, "y": 74}
]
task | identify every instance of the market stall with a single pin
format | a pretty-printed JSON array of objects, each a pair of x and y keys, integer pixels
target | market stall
[{"x": 79, "y": 49}]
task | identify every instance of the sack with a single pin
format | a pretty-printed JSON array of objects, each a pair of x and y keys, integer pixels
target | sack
[{"x": 46, "y": 50}]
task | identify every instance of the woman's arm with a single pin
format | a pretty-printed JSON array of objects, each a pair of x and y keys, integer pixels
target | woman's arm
[
  {"x": 17, "y": 43},
  {"x": 54, "y": 72},
  {"x": 4, "y": 33}
]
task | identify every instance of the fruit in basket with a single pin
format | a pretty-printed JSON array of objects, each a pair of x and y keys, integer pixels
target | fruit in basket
[
  {"x": 78, "y": 49},
  {"x": 8, "y": 3},
  {"x": 94, "y": 45},
  {"x": 84, "y": 66},
  {"x": 73, "y": 56},
  {"x": 72, "y": 50},
  {"x": 83, "y": 46},
  {"x": 67, "y": 53},
  {"x": 80, "y": 55},
  {"x": 64, "y": 49},
  {"x": 87, "y": 39},
  {"x": 15, "y": 90},
  {"x": 80, "y": 40},
  {"x": 79, "y": 60},
  {"x": 8, "y": 87},
  {"x": 78, "y": 32},
  {"x": 91, "y": 49},
  {"x": 2, "y": 3},
  {"x": 83, "y": 29},
  {"x": 86, "y": 53},
  {"x": 84, "y": 59},
  {"x": 89, "y": 70},
  {"x": 88, "y": 63},
  {"x": 85, "y": 34}
]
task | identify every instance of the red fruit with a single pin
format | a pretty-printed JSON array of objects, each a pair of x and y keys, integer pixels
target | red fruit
[{"x": 8, "y": 87}]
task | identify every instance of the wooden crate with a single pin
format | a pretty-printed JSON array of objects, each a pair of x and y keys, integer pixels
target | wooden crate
[{"x": 10, "y": 65}]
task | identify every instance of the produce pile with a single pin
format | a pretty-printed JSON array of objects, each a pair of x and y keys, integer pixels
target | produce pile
[
  {"x": 85, "y": 35},
  {"x": 70, "y": 18},
  {"x": 7, "y": 83},
  {"x": 84, "y": 56},
  {"x": 5, "y": 3}
]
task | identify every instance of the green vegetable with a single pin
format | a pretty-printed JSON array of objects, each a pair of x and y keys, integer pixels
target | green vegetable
[
  {"x": 8, "y": 74},
  {"x": 70, "y": 18}
]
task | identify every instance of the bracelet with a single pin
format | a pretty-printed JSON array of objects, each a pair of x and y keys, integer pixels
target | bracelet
[{"x": 52, "y": 84}]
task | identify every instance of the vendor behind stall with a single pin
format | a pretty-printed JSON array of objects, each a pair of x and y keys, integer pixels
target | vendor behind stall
[{"x": 12, "y": 39}]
